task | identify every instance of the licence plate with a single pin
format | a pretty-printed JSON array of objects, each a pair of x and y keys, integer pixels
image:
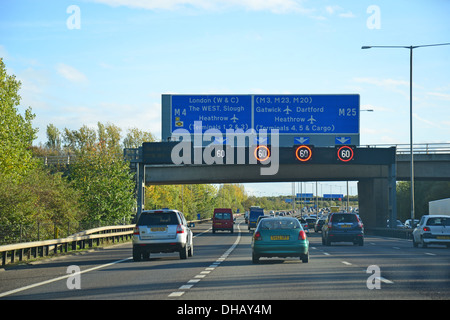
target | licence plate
[
  {"x": 346, "y": 225},
  {"x": 158, "y": 229},
  {"x": 443, "y": 237},
  {"x": 279, "y": 237}
]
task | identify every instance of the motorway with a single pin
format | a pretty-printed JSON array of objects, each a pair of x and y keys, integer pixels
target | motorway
[{"x": 221, "y": 269}]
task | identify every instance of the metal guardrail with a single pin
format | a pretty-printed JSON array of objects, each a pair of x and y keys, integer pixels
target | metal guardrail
[
  {"x": 35, "y": 249},
  {"x": 419, "y": 148},
  {"x": 11, "y": 252}
]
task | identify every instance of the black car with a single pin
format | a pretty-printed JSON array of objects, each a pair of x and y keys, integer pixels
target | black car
[{"x": 343, "y": 227}]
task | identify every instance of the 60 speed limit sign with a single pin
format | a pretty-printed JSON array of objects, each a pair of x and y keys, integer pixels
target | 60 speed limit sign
[{"x": 345, "y": 153}]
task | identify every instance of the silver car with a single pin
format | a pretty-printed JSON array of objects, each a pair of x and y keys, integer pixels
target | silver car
[
  {"x": 162, "y": 230},
  {"x": 432, "y": 229}
]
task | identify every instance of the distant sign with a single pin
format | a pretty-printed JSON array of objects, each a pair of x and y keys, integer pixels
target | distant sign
[
  {"x": 333, "y": 196},
  {"x": 305, "y": 195}
]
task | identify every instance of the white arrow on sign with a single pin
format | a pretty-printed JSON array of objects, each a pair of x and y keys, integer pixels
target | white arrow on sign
[
  {"x": 260, "y": 140},
  {"x": 342, "y": 140},
  {"x": 302, "y": 140},
  {"x": 219, "y": 140}
]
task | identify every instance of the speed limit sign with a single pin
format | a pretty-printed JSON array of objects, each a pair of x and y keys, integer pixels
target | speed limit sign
[
  {"x": 345, "y": 153},
  {"x": 262, "y": 153}
]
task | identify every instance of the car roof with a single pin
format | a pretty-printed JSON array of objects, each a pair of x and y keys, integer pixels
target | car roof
[
  {"x": 164, "y": 210},
  {"x": 436, "y": 216}
]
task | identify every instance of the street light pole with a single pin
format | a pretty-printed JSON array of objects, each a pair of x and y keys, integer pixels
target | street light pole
[{"x": 392, "y": 223}]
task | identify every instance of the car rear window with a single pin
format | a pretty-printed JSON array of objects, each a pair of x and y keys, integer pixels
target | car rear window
[
  {"x": 438, "y": 221},
  {"x": 273, "y": 224},
  {"x": 157, "y": 218},
  {"x": 222, "y": 215},
  {"x": 339, "y": 218}
]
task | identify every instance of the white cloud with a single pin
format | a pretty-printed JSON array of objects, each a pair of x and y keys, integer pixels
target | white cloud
[
  {"x": 275, "y": 6},
  {"x": 335, "y": 9},
  {"x": 383, "y": 82},
  {"x": 443, "y": 96},
  {"x": 348, "y": 14},
  {"x": 70, "y": 73}
]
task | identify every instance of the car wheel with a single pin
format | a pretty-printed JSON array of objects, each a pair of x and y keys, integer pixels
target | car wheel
[
  {"x": 305, "y": 257},
  {"x": 361, "y": 242},
  {"x": 136, "y": 255},
  {"x": 255, "y": 258},
  {"x": 191, "y": 249},
  {"x": 424, "y": 245},
  {"x": 184, "y": 252},
  {"x": 415, "y": 244}
]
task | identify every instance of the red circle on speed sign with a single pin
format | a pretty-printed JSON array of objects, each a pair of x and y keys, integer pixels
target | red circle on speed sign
[
  {"x": 303, "y": 153},
  {"x": 345, "y": 153},
  {"x": 262, "y": 153}
]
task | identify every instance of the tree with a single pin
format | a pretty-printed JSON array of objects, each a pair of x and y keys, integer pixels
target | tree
[
  {"x": 16, "y": 131},
  {"x": 136, "y": 137},
  {"x": 106, "y": 185},
  {"x": 53, "y": 138},
  {"x": 109, "y": 135}
]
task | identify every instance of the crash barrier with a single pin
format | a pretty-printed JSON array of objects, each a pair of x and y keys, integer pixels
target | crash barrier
[
  {"x": 12, "y": 253},
  {"x": 17, "y": 252},
  {"x": 390, "y": 232}
]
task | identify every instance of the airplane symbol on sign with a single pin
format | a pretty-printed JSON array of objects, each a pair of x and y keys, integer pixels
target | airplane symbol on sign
[
  {"x": 287, "y": 110},
  {"x": 311, "y": 120},
  {"x": 234, "y": 118}
]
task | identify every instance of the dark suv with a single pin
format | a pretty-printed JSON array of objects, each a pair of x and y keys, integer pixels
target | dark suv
[
  {"x": 343, "y": 227},
  {"x": 162, "y": 230}
]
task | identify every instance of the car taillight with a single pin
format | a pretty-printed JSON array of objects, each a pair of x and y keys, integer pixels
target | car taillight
[
  {"x": 302, "y": 235},
  {"x": 360, "y": 224},
  {"x": 136, "y": 231},
  {"x": 329, "y": 225},
  {"x": 257, "y": 236},
  {"x": 180, "y": 229},
  {"x": 426, "y": 229}
]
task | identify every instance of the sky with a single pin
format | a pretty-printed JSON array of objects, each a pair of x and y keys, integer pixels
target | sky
[{"x": 89, "y": 61}]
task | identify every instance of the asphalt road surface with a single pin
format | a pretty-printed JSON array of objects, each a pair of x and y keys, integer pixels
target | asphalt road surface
[{"x": 221, "y": 269}]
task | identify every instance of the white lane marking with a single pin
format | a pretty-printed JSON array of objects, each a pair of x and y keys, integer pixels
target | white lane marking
[
  {"x": 207, "y": 270},
  {"x": 384, "y": 280},
  {"x": 176, "y": 294},
  {"x": 7, "y": 293},
  {"x": 346, "y": 263}
]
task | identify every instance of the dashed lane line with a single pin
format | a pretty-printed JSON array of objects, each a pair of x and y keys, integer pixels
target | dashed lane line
[{"x": 182, "y": 289}]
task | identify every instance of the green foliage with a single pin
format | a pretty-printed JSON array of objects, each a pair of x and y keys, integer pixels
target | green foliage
[
  {"x": 424, "y": 192},
  {"x": 190, "y": 199},
  {"x": 105, "y": 184},
  {"x": 16, "y": 131},
  {"x": 38, "y": 198}
]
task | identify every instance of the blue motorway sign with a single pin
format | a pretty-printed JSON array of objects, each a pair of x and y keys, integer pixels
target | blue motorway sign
[
  {"x": 305, "y": 195},
  {"x": 321, "y": 120},
  {"x": 307, "y": 114},
  {"x": 219, "y": 112},
  {"x": 333, "y": 196}
]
